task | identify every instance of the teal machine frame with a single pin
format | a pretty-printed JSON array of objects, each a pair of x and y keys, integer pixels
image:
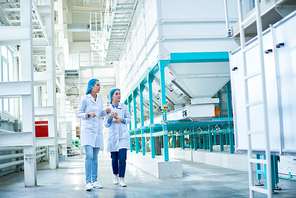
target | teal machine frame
[{"x": 207, "y": 130}]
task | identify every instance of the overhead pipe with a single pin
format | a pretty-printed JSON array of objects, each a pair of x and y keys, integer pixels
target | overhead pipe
[{"x": 228, "y": 30}]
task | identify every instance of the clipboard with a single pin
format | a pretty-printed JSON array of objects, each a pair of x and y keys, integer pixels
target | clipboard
[{"x": 119, "y": 113}]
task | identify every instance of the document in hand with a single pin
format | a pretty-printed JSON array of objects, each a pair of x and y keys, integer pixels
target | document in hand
[{"x": 119, "y": 113}]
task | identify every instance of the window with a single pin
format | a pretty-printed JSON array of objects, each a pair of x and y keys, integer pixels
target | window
[
  {"x": 6, "y": 74},
  {"x": 6, "y": 104},
  {"x": 10, "y": 68},
  {"x": 4, "y": 51}
]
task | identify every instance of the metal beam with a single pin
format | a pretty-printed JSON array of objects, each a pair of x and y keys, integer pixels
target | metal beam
[
  {"x": 198, "y": 57},
  {"x": 40, "y": 42},
  {"x": 86, "y": 9},
  {"x": 20, "y": 88},
  {"x": 42, "y": 76},
  {"x": 44, "y": 111},
  {"x": 45, "y": 141},
  {"x": 43, "y": 9},
  {"x": 62, "y": 141},
  {"x": 16, "y": 139},
  {"x": 15, "y": 33}
]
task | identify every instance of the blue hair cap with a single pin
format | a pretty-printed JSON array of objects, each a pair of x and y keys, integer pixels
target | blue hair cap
[
  {"x": 90, "y": 85},
  {"x": 112, "y": 93}
]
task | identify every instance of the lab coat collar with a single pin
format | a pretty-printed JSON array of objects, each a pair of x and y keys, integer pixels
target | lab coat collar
[
  {"x": 92, "y": 98},
  {"x": 119, "y": 105}
]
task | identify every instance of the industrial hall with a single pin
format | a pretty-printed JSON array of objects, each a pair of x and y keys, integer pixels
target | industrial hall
[{"x": 147, "y": 98}]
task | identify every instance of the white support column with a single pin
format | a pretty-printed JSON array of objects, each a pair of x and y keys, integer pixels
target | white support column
[
  {"x": 51, "y": 84},
  {"x": 28, "y": 119},
  {"x": 51, "y": 101},
  {"x": 62, "y": 97}
]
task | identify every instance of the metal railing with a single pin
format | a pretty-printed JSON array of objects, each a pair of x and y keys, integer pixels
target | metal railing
[{"x": 14, "y": 157}]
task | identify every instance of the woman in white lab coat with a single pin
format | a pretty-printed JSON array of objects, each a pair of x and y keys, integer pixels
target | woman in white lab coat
[
  {"x": 118, "y": 137},
  {"x": 91, "y": 110}
]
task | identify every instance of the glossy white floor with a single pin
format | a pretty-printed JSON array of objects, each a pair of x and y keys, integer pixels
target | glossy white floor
[{"x": 199, "y": 180}]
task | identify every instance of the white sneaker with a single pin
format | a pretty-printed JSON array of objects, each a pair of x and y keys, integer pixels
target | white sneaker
[
  {"x": 97, "y": 185},
  {"x": 88, "y": 187},
  {"x": 121, "y": 182},
  {"x": 115, "y": 182}
]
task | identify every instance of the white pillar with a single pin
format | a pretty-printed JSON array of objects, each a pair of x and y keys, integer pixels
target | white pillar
[
  {"x": 63, "y": 127},
  {"x": 62, "y": 96},
  {"x": 51, "y": 85},
  {"x": 51, "y": 101},
  {"x": 28, "y": 119}
]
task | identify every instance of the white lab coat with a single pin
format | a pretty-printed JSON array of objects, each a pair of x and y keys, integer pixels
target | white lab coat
[
  {"x": 91, "y": 128},
  {"x": 118, "y": 135}
]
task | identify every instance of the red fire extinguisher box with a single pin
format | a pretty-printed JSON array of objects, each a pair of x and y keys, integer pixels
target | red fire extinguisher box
[{"x": 41, "y": 128}]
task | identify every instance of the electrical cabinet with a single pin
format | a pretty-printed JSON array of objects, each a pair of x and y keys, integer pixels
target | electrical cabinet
[{"x": 41, "y": 128}]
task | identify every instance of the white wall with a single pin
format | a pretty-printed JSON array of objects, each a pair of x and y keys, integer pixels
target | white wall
[{"x": 76, "y": 47}]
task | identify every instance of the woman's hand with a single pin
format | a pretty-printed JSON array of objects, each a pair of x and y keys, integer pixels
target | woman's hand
[
  {"x": 118, "y": 120},
  {"x": 113, "y": 115},
  {"x": 91, "y": 114},
  {"x": 108, "y": 110}
]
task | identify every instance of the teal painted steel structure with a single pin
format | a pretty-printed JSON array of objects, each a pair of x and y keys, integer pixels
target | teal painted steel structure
[
  {"x": 195, "y": 141},
  {"x": 204, "y": 138},
  {"x": 152, "y": 138},
  {"x": 141, "y": 88},
  {"x": 274, "y": 171},
  {"x": 135, "y": 93},
  {"x": 229, "y": 113},
  {"x": 228, "y": 92},
  {"x": 191, "y": 141},
  {"x": 210, "y": 139},
  {"x": 174, "y": 141},
  {"x": 129, "y": 108},
  {"x": 199, "y": 142},
  {"x": 162, "y": 65},
  {"x": 130, "y": 125},
  {"x": 182, "y": 143},
  {"x": 205, "y": 129},
  {"x": 198, "y": 57},
  {"x": 221, "y": 142}
]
